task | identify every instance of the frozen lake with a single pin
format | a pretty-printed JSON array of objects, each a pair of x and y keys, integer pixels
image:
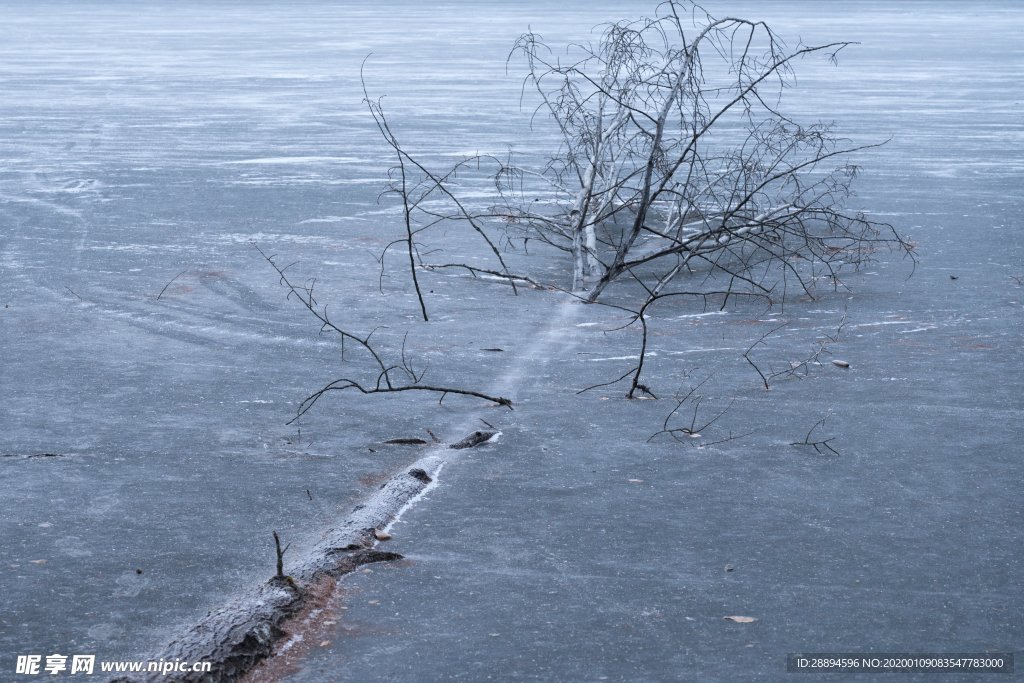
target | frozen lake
[{"x": 147, "y": 346}]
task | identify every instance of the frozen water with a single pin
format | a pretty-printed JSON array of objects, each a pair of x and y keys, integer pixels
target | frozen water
[{"x": 142, "y": 340}]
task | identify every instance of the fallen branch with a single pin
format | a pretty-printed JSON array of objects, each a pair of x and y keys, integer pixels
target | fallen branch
[
  {"x": 821, "y": 445},
  {"x": 475, "y": 271},
  {"x": 415, "y": 192},
  {"x": 798, "y": 368},
  {"x": 640, "y": 316},
  {"x": 280, "y": 554},
  {"x": 390, "y": 377},
  {"x": 169, "y": 284},
  {"x": 689, "y": 432}
]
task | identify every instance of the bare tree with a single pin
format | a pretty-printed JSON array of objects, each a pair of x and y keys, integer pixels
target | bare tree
[
  {"x": 679, "y": 173},
  {"x": 676, "y": 154}
]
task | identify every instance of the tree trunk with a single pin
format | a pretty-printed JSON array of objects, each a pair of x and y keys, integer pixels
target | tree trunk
[{"x": 236, "y": 636}]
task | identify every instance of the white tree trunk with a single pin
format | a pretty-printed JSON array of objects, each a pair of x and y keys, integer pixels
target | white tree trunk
[
  {"x": 578, "y": 259},
  {"x": 591, "y": 266}
]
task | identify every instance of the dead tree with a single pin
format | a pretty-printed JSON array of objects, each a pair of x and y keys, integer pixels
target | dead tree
[
  {"x": 679, "y": 174},
  {"x": 676, "y": 154}
]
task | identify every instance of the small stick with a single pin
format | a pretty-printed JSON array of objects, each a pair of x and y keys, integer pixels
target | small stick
[
  {"x": 280, "y": 555},
  {"x": 169, "y": 284}
]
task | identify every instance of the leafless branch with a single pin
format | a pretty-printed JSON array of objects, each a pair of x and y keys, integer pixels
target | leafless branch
[
  {"x": 820, "y": 446},
  {"x": 280, "y": 554},
  {"x": 694, "y": 429},
  {"x": 794, "y": 368},
  {"x": 475, "y": 271},
  {"x": 171, "y": 281},
  {"x": 707, "y": 297},
  {"x": 390, "y": 377},
  {"x": 428, "y": 185}
]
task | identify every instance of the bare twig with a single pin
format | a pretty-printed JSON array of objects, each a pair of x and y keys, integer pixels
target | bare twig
[
  {"x": 820, "y": 446},
  {"x": 169, "y": 284},
  {"x": 689, "y": 432},
  {"x": 475, "y": 271},
  {"x": 793, "y": 368},
  {"x": 280, "y": 554},
  {"x": 429, "y": 185}
]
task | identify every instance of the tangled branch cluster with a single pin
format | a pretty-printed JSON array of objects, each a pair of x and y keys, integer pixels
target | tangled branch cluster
[{"x": 675, "y": 154}]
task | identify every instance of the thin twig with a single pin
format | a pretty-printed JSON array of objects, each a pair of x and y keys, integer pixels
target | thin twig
[
  {"x": 820, "y": 446},
  {"x": 169, "y": 284}
]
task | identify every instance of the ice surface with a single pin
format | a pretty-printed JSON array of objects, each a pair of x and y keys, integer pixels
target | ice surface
[{"x": 145, "y": 343}]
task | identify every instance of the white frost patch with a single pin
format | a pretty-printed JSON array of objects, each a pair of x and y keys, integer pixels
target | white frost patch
[
  {"x": 888, "y": 322},
  {"x": 415, "y": 499},
  {"x": 327, "y": 219},
  {"x": 133, "y": 248},
  {"x": 290, "y": 643},
  {"x": 947, "y": 172},
  {"x": 57, "y": 208},
  {"x": 470, "y": 153},
  {"x": 724, "y": 348},
  {"x": 269, "y": 237},
  {"x": 595, "y": 360},
  {"x": 700, "y": 315},
  {"x": 297, "y": 160},
  {"x": 587, "y": 324},
  {"x": 258, "y": 400},
  {"x": 537, "y": 350}
]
